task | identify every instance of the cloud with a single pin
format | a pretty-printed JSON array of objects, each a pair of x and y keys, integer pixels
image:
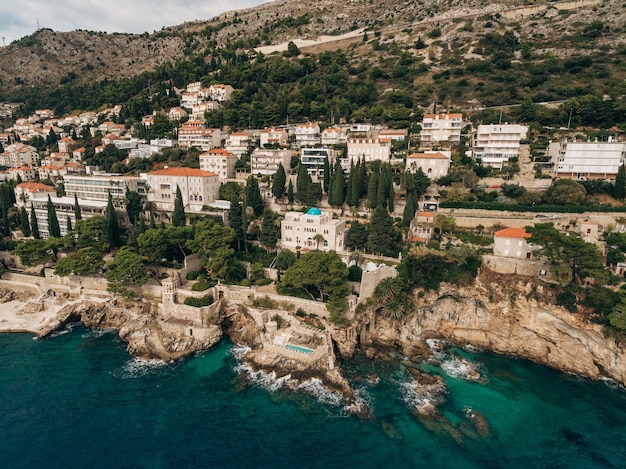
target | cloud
[{"x": 19, "y": 19}]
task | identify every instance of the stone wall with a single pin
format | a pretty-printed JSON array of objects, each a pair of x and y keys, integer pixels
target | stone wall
[
  {"x": 511, "y": 265},
  {"x": 370, "y": 280}
]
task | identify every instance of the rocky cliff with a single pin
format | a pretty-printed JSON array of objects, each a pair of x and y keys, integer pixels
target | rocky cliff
[{"x": 501, "y": 315}]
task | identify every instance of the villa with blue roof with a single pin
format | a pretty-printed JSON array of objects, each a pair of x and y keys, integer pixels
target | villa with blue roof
[{"x": 298, "y": 231}]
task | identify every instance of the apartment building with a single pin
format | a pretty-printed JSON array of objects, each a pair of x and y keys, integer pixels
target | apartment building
[
  {"x": 220, "y": 162},
  {"x": 265, "y": 161},
  {"x": 198, "y": 188},
  {"x": 441, "y": 128},
  {"x": 495, "y": 144},
  {"x": 587, "y": 160},
  {"x": 98, "y": 186},
  {"x": 434, "y": 165}
]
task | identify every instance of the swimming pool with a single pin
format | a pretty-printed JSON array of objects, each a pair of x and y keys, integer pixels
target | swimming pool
[{"x": 298, "y": 348}]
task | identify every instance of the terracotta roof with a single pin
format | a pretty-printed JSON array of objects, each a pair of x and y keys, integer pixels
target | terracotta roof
[
  {"x": 22, "y": 168},
  {"x": 428, "y": 156},
  {"x": 188, "y": 172},
  {"x": 35, "y": 187},
  {"x": 218, "y": 152},
  {"x": 426, "y": 214},
  {"x": 442, "y": 116},
  {"x": 512, "y": 233}
]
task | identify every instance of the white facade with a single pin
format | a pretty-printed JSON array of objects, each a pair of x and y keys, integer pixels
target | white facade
[
  {"x": 495, "y": 144},
  {"x": 64, "y": 208},
  {"x": 307, "y": 135},
  {"x": 273, "y": 136},
  {"x": 441, "y": 128},
  {"x": 298, "y": 231},
  {"x": 368, "y": 149},
  {"x": 220, "y": 162},
  {"x": 511, "y": 242},
  {"x": 587, "y": 160},
  {"x": 313, "y": 159},
  {"x": 334, "y": 136},
  {"x": 98, "y": 187},
  {"x": 27, "y": 191},
  {"x": 265, "y": 161},
  {"x": 198, "y": 188},
  {"x": 195, "y": 134},
  {"x": 18, "y": 154},
  {"x": 238, "y": 142},
  {"x": 434, "y": 165}
]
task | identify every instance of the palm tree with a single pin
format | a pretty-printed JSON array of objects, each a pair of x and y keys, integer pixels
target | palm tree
[
  {"x": 318, "y": 238},
  {"x": 357, "y": 257}
]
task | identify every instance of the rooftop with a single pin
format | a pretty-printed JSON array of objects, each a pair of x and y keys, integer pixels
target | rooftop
[{"x": 519, "y": 233}]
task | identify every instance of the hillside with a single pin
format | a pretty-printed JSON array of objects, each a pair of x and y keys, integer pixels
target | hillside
[{"x": 460, "y": 54}]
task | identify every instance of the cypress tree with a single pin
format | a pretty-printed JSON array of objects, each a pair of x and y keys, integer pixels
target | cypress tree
[
  {"x": 77, "y": 214},
  {"x": 620, "y": 184},
  {"x": 54, "y": 230},
  {"x": 290, "y": 195},
  {"x": 69, "y": 224},
  {"x": 372, "y": 187},
  {"x": 278, "y": 182},
  {"x": 307, "y": 193},
  {"x": 33, "y": 223},
  {"x": 355, "y": 186},
  {"x": 381, "y": 191},
  {"x": 409, "y": 210},
  {"x": 363, "y": 186},
  {"x": 339, "y": 185},
  {"x": 141, "y": 225},
  {"x": 253, "y": 196},
  {"x": 152, "y": 222},
  {"x": 390, "y": 198},
  {"x": 235, "y": 221},
  {"x": 24, "y": 225},
  {"x": 327, "y": 175},
  {"x": 178, "y": 216},
  {"x": 6, "y": 226},
  {"x": 112, "y": 227},
  {"x": 349, "y": 186}
]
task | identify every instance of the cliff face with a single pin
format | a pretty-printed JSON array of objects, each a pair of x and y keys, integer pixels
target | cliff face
[{"x": 498, "y": 316}]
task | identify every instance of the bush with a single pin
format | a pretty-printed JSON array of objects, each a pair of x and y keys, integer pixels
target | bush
[
  {"x": 193, "y": 275},
  {"x": 300, "y": 313},
  {"x": 355, "y": 273},
  {"x": 203, "y": 284},
  {"x": 263, "y": 281},
  {"x": 199, "y": 302}
]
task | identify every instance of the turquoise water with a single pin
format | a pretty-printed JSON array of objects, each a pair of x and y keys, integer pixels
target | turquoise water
[
  {"x": 298, "y": 348},
  {"x": 78, "y": 400}
]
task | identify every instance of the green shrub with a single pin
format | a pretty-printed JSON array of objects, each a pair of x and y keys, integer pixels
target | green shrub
[
  {"x": 203, "y": 284},
  {"x": 199, "y": 302},
  {"x": 193, "y": 275},
  {"x": 263, "y": 281}
]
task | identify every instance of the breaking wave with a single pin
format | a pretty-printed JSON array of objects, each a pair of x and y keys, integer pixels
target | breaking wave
[
  {"x": 96, "y": 332},
  {"x": 138, "y": 368}
]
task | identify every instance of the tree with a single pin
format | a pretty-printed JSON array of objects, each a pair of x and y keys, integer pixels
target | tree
[
  {"x": 125, "y": 272},
  {"x": 338, "y": 193},
  {"x": 86, "y": 261},
  {"x": 168, "y": 243},
  {"x": 620, "y": 184},
  {"x": 111, "y": 227},
  {"x": 54, "y": 229},
  {"x": 372, "y": 188},
  {"x": 565, "y": 192},
  {"x": 211, "y": 243},
  {"x": 90, "y": 232},
  {"x": 356, "y": 236},
  {"x": 284, "y": 260},
  {"x": 34, "y": 252},
  {"x": 290, "y": 194},
  {"x": 292, "y": 49},
  {"x": 178, "y": 216},
  {"x": 306, "y": 191},
  {"x": 24, "y": 224},
  {"x": 68, "y": 224},
  {"x": 134, "y": 205},
  {"x": 279, "y": 179},
  {"x": 253, "y": 196},
  {"x": 318, "y": 238},
  {"x": 572, "y": 259},
  {"x": 383, "y": 237},
  {"x": 319, "y": 274},
  {"x": 235, "y": 221},
  {"x": 33, "y": 223},
  {"x": 326, "y": 174},
  {"x": 270, "y": 230},
  {"x": 77, "y": 214},
  {"x": 409, "y": 210}
]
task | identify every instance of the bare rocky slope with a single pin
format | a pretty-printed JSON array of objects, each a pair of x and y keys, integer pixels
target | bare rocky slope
[{"x": 47, "y": 59}]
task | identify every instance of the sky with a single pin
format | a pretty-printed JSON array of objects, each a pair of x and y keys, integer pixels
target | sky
[{"x": 19, "y": 18}]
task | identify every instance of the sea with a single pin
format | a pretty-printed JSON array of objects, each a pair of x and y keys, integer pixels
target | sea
[{"x": 77, "y": 399}]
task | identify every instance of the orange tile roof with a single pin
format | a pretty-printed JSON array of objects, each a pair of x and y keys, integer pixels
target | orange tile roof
[
  {"x": 429, "y": 156},
  {"x": 520, "y": 233},
  {"x": 426, "y": 214},
  {"x": 218, "y": 152},
  {"x": 35, "y": 187},
  {"x": 442, "y": 116},
  {"x": 182, "y": 171}
]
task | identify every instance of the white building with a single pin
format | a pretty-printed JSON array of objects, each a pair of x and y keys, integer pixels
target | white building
[
  {"x": 434, "y": 165},
  {"x": 265, "y": 161},
  {"x": 307, "y": 135},
  {"x": 298, "y": 231},
  {"x": 511, "y": 242},
  {"x": 368, "y": 149},
  {"x": 395, "y": 135},
  {"x": 273, "y": 136},
  {"x": 220, "y": 162},
  {"x": 98, "y": 186},
  {"x": 195, "y": 134},
  {"x": 64, "y": 208},
  {"x": 220, "y": 93},
  {"x": 441, "y": 128},
  {"x": 18, "y": 154},
  {"x": 587, "y": 160},
  {"x": 495, "y": 144},
  {"x": 198, "y": 188},
  {"x": 27, "y": 191},
  {"x": 239, "y": 143},
  {"x": 334, "y": 136},
  {"x": 313, "y": 159}
]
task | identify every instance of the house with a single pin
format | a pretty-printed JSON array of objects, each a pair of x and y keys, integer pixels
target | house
[
  {"x": 422, "y": 226},
  {"x": 496, "y": 144},
  {"x": 313, "y": 159},
  {"x": 220, "y": 162},
  {"x": 26, "y": 173},
  {"x": 27, "y": 191},
  {"x": 395, "y": 135},
  {"x": 195, "y": 134},
  {"x": 265, "y": 161},
  {"x": 587, "y": 160},
  {"x": 79, "y": 154},
  {"x": 51, "y": 172},
  {"x": 588, "y": 231},
  {"x": 198, "y": 188},
  {"x": 333, "y": 136},
  {"x": 176, "y": 113},
  {"x": 511, "y": 242},
  {"x": 299, "y": 231},
  {"x": 220, "y": 93},
  {"x": 18, "y": 154},
  {"x": 368, "y": 150},
  {"x": 306, "y": 135},
  {"x": 441, "y": 128},
  {"x": 65, "y": 144},
  {"x": 273, "y": 136},
  {"x": 434, "y": 165},
  {"x": 238, "y": 143}
]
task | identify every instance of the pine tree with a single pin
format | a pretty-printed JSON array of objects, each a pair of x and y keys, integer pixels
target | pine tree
[
  {"x": 77, "y": 214},
  {"x": 290, "y": 195},
  {"x": 33, "y": 223},
  {"x": 278, "y": 182},
  {"x": 54, "y": 230},
  {"x": 178, "y": 216},
  {"x": 112, "y": 227},
  {"x": 620, "y": 184},
  {"x": 68, "y": 222},
  {"x": 339, "y": 185},
  {"x": 327, "y": 175},
  {"x": 253, "y": 196},
  {"x": 24, "y": 225}
]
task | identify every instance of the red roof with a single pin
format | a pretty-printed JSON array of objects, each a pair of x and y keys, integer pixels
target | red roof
[
  {"x": 218, "y": 152},
  {"x": 430, "y": 156},
  {"x": 35, "y": 187},
  {"x": 426, "y": 214},
  {"x": 519, "y": 233},
  {"x": 182, "y": 171}
]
